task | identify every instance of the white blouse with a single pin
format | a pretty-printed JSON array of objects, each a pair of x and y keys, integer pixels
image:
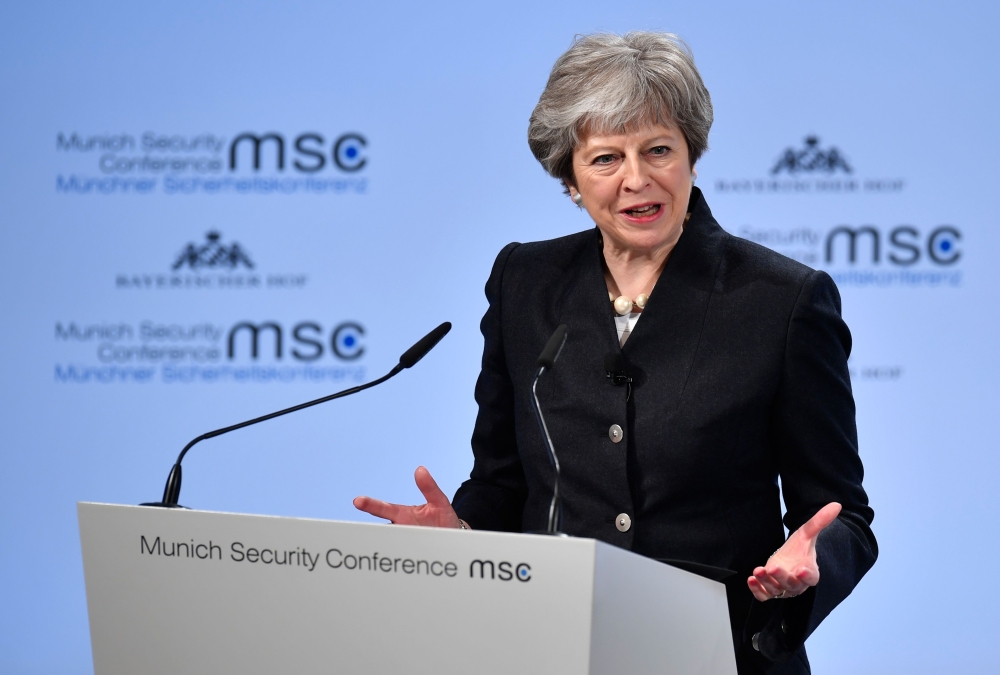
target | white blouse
[{"x": 626, "y": 324}]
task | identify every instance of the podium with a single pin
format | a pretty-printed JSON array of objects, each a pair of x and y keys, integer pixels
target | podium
[{"x": 177, "y": 591}]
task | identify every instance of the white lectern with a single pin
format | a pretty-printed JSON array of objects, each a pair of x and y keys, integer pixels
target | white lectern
[{"x": 174, "y": 591}]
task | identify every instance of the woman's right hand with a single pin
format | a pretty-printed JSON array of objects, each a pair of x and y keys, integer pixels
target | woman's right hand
[{"x": 437, "y": 512}]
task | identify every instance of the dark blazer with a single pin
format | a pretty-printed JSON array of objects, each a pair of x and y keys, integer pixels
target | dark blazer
[{"x": 739, "y": 363}]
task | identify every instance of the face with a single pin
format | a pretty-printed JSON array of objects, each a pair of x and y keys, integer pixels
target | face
[{"x": 636, "y": 186}]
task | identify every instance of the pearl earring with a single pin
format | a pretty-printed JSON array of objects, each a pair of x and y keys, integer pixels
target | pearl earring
[{"x": 578, "y": 199}]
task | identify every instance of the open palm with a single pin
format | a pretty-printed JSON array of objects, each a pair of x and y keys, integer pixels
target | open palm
[{"x": 793, "y": 567}]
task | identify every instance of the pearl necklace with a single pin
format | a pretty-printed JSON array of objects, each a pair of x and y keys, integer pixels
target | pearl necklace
[{"x": 623, "y": 304}]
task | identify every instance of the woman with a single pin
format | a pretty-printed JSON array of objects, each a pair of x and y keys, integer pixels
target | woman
[{"x": 737, "y": 355}]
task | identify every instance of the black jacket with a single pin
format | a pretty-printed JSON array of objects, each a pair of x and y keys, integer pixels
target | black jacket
[{"x": 739, "y": 363}]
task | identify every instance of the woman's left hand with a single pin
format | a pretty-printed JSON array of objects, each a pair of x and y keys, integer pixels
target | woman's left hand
[{"x": 793, "y": 568}]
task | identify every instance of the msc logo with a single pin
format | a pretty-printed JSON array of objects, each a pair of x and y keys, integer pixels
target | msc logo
[
  {"x": 811, "y": 158},
  {"x": 212, "y": 255},
  {"x": 905, "y": 244},
  {"x": 308, "y": 344},
  {"x": 502, "y": 571},
  {"x": 346, "y": 152}
]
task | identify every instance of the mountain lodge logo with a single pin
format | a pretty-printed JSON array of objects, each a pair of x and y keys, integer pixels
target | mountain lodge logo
[
  {"x": 810, "y": 168},
  {"x": 211, "y": 264},
  {"x": 212, "y": 255},
  {"x": 811, "y": 158}
]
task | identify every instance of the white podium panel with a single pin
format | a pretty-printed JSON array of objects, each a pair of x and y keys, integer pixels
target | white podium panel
[{"x": 176, "y": 591}]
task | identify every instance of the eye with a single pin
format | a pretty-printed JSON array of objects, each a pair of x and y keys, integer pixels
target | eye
[
  {"x": 604, "y": 159},
  {"x": 659, "y": 151}
]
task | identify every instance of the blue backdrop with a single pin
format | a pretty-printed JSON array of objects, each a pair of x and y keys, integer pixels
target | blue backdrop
[{"x": 181, "y": 179}]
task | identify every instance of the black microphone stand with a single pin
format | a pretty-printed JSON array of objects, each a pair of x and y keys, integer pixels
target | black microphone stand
[
  {"x": 546, "y": 361},
  {"x": 172, "y": 491}
]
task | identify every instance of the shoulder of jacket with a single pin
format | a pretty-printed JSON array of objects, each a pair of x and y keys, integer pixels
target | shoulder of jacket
[
  {"x": 557, "y": 254},
  {"x": 746, "y": 258}
]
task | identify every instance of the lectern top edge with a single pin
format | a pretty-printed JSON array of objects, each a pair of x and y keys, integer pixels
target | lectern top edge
[{"x": 189, "y": 512}]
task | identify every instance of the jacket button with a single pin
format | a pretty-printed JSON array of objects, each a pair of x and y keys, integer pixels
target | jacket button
[
  {"x": 755, "y": 641},
  {"x": 616, "y": 434},
  {"x": 623, "y": 522}
]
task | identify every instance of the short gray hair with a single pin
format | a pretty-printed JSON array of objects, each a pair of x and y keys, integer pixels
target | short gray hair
[{"x": 607, "y": 83}]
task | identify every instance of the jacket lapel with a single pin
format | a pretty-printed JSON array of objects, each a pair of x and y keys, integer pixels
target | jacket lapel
[
  {"x": 582, "y": 302},
  {"x": 666, "y": 337}
]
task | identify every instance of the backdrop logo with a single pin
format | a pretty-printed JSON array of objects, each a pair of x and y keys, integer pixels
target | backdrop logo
[
  {"x": 247, "y": 162},
  {"x": 346, "y": 341},
  {"x": 268, "y": 351},
  {"x": 811, "y": 159},
  {"x": 213, "y": 255},
  {"x": 346, "y": 152},
  {"x": 211, "y": 264},
  {"x": 869, "y": 255},
  {"x": 810, "y": 168},
  {"x": 905, "y": 245}
]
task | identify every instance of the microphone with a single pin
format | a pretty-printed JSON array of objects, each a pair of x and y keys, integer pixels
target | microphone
[
  {"x": 546, "y": 360},
  {"x": 553, "y": 347},
  {"x": 614, "y": 365},
  {"x": 424, "y": 345},
  {"x": 172, "y": 491}
]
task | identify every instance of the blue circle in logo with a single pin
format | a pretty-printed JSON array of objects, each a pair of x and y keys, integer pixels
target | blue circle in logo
[
  {"x": 945, "y": 246},
  {"x": 348, "y": 340},
  {"x": 351, "y": 152}
]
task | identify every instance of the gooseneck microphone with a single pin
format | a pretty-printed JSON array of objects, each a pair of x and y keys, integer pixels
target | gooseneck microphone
[
  {"x": 172, "y": 491},
  {"x": 546, "y": 360}
]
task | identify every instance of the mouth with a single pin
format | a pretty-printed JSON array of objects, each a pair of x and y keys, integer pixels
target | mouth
[{"x": 643, "y": 211}]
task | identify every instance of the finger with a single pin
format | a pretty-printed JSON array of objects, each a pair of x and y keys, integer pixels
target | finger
[
  {"x": 788, "y": 582},
  {"x": 807, "y": 575},
  {"x": 758, "y": 590},
  {"x": 787, "y": 574},
  {"x": 820, "y": 521},
  {"x": 429, "y": 489},
  {"x": 378, "y": 508},
  {"x": 767, "y": 582}
]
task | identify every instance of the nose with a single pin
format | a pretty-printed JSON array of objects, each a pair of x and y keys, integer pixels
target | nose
[{"x": 634, "y": 174}]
